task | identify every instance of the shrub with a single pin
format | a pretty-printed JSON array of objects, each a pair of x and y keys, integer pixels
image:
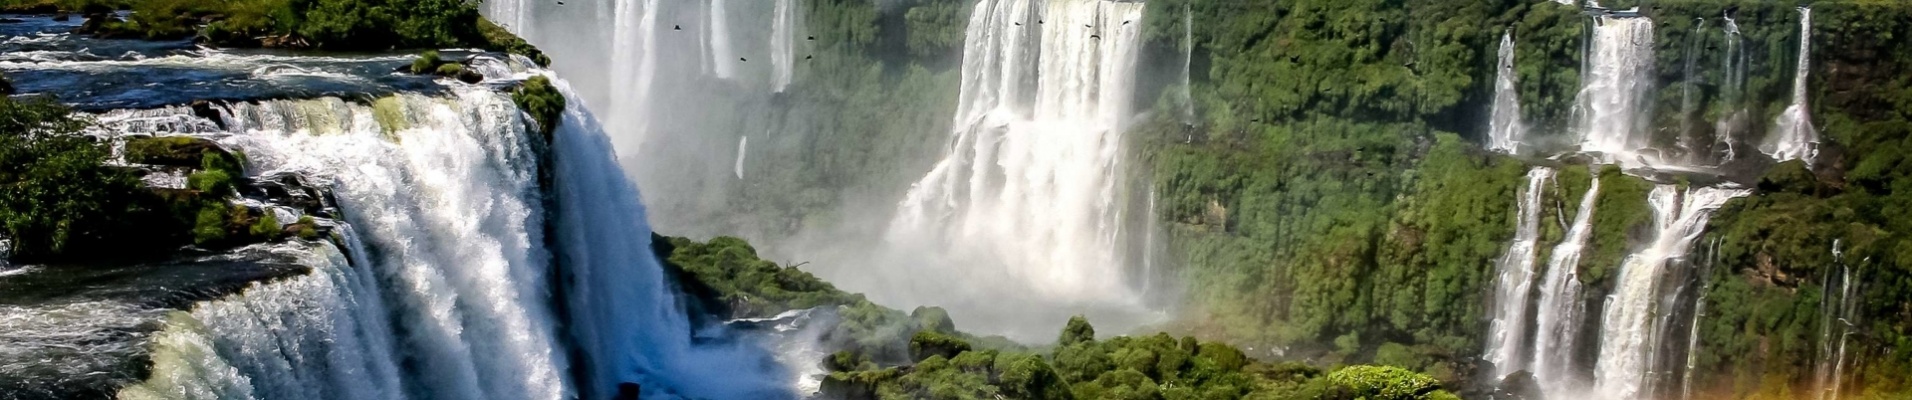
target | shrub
[
  {"x": 538, "y": 98},
  {"x": 426, "y": 62}
]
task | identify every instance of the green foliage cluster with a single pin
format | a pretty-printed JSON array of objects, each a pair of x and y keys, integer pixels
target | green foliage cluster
[
  {"x": 324, "y": 24},
  {"x": 1143, "y": 368},
  {"x": 58, "y": 198},
  {"x": 750, "y": 286},
  {"x": 1768, "y": 301},
  {"x": 62, "y": 201},
  {"x": 542, "y": 101}
]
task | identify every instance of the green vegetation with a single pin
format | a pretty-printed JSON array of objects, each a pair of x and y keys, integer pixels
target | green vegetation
[
  {"x": 885, "y": 354},
  {"x": 322, "y": 24},
  {"x": 538, "y": 98},
  {"x": 63, "y": 202},
  {"x": 1775, "y": 249},
  {"x": 58, "y": 198}
]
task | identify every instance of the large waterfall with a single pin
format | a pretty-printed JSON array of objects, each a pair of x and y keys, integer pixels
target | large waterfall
[
  {"x": 1557, "y": 321},
  {"x": 1627, "y": 336},
  {"x": 1614, "y": 102},
  {"x": 1507, "y": 336},
  {"x": 1028, "y": 193},
  {"x": 626, "y": 318},
  {"x": 1795, "y": 138},
  {"x": 444, "y": 220}
]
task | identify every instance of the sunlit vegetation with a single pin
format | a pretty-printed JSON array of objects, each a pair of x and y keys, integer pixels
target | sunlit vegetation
[{"x": 64, "y": 201}]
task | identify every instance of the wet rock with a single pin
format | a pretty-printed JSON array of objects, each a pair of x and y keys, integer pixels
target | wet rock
[
  {"x": 62, "y": 17},
  {"x": 1519, "y": 385},
  {"x": 205, "y": 109},
  {"x": 291, "y": 190},
  {"x": 11, "y": 20}
]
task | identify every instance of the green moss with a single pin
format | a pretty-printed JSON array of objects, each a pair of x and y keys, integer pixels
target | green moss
[
  {"x": 538, "y": 98},
  {"x": 426, "y": 62}
]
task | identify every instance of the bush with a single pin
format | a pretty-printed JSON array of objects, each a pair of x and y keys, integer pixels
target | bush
[
  {"x": 542, "y": 101},
  {"x": 59, "y": 199},
  {"x": 426, "y": 62},
  {"x": 1385, "y": 383}
]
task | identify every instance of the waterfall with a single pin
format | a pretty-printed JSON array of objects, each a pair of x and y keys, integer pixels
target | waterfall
[
  {"x": 1508, "y": 336},
  {"x": 1693, "y": 327},
  {"x": 442, "y": 194},
  {"x": 743, "y": 145},
  {"x": 723, "y": 61},
  {"x": 318, "y": 336},
  {"x": 1732, "y": 92},
  {"x": 633, "y": 68},
  {"x": 1504, "y": 128},
  {"x": 1188, "y": 61},
  {"x": 625, "y": 318},
  {"x": 1836, "y": 308},
  {"x": 1627, "y": 337},
  {"x": 445, "y": 220},
  {"x": 783, "y": 56},
  {"x": 1031, "y": 179},
  {"x": 1689, "y": 103},
  {"x": 1613, "y": 103},
  {"x": 1795, "y": 138},
  {"x": 1558, "y": 319}
]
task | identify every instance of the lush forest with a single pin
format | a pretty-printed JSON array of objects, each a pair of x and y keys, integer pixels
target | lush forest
[
  {"x": 319, "y": 24},
  {"x": 1330, "y": 200},
  {"x": 887, "y": 354}
]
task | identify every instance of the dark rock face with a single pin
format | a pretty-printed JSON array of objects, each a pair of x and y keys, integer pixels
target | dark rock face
[
  {"x": 290, "y": 190},
  {"x": 627, "y": 391},
  {"x": 1518, "y": 386}
]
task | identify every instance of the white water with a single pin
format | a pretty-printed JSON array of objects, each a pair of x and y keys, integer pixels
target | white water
[
  {"x": 1188, "y": 61},
  {"x": 1508, "y": 334},
  {"x": 783, "y": 56},
  {"x": 443, "y": 192},
  {"x": 743, "y": 147},
  {"x": 1794, "y": 137},
  {"x": 1732, "y": 90},
  {"x": 317, "y": 336},
  {"x": 1613, "y": 104},
  {"x": 1028, "y": 191},
  {"x": 723, "y": 60},
  {"x": 626, "y": 320},
  {"x": 1557, "y": 321},
  {"x": 1504, "y": 130},
  {"x": 444, "y": 195},
  {"x": 1627, "y": 337},
  {"x": 633, "y": 69}
]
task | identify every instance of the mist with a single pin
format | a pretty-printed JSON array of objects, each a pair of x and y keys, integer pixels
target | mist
[{"x": 920, "y": 168}]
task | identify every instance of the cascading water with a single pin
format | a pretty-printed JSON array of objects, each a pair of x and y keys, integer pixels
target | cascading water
[
  {"x": 1732, "y": 92},
  {"x": 1188, "y": 61},
  {"x": 1795, "y": 138},
  {"x": 783, "y": 56},
  {"x": 318, "y": 336},
  {"x": 723, "y": 60},
  {"x": 1504, "y": 130},
  {"x": 743, "y": 147},
  {"x": 1689, "y": 101},
  {"x": 634, "y": 68},
  {"x": 1627, "y": 335},
  {"x": 444, "y": 217},
  {"x": 1557, "y": 322},
  {"x": 1508, "y": 337},
  {"x": 626, "y": 320},
  {"x": 443, "y": 192},
  {"x": 1613, "y": 101},
  {"x": 1836, "y": 323},
  {"x": 1028, "y": 192}
]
